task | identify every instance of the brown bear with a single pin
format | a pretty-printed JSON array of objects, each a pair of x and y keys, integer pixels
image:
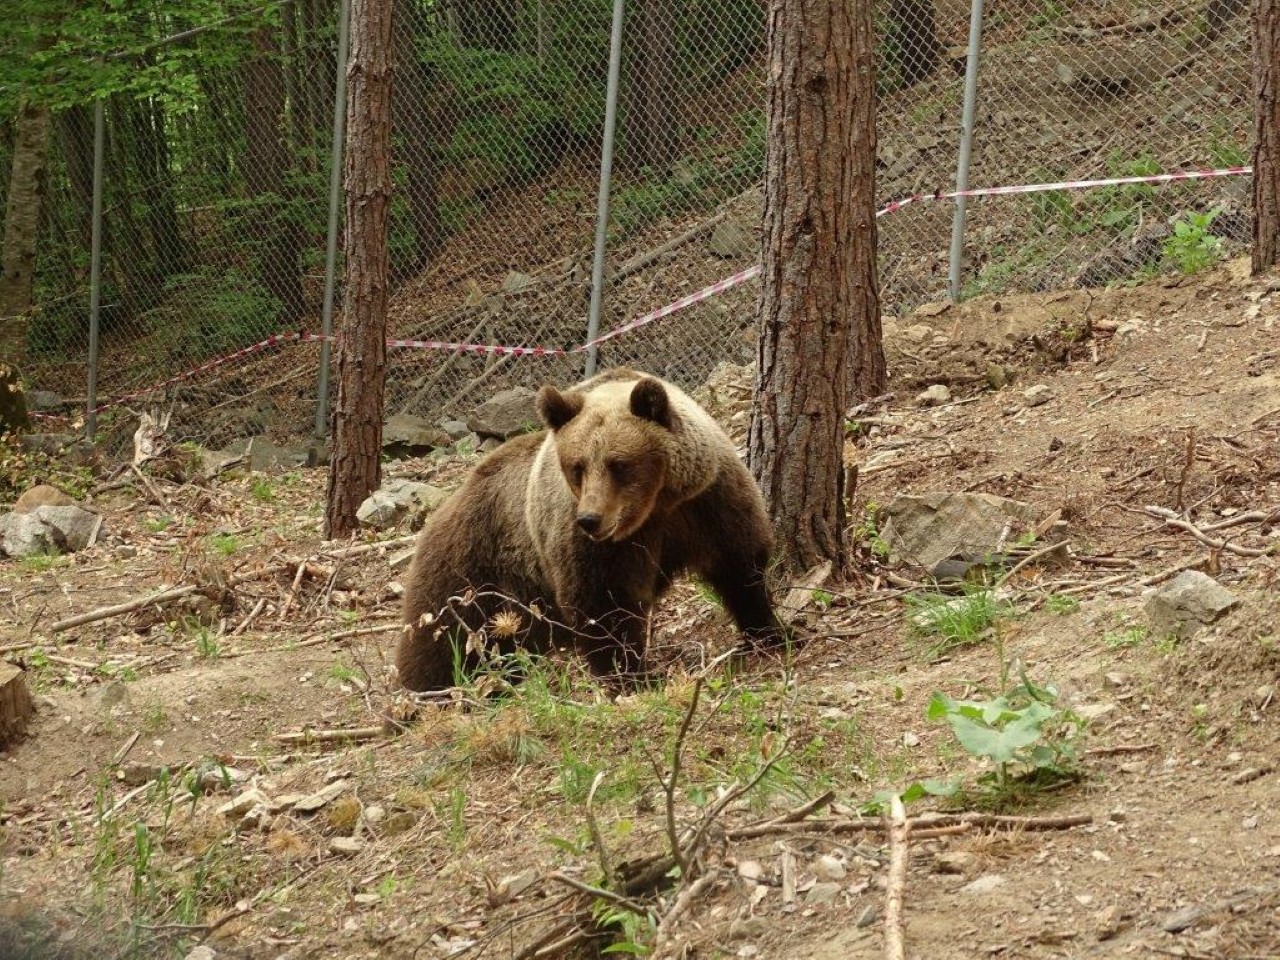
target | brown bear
[{"x": 576, "y": 531}]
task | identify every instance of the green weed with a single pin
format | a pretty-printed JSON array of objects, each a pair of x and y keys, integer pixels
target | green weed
[
  {"x": 1193, "y": 247},
  {"x": 226, "y": 544},
  {"x": 40, "y": 562},
  {"x": 955, "y": 622},
  {"x": 262, "y": 490},
  {"x": 1128, "y": 637},
  {"x": 1061, "y": 605}
]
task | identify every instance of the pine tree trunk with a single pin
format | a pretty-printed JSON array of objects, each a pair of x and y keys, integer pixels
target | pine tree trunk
[
  {"x": 266, "y": 161},
  {"x": 1266, "y": 148},
  {"x": 422, "y": 128},
  {"x": 355, "y": 467},
  {"x": 654, "y": 140},
  {"x": 27, "y": 181},
  {"x": 819, "y": 320}
]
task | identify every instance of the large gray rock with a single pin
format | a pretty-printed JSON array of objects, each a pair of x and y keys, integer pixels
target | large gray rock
[
  {"x": 506, "y": 414},
  {"x": 731, "y": 239},
  {"x": 1186, "y": 603},
  {"x": 263, "y": 455},
  {"x": 409, "y": 433},
  {"x": 71, "y": 528},
  {"x": 935, "y": 527},
  {"x": 24, "y": 535},
  {"x": 397, "y": 500}
]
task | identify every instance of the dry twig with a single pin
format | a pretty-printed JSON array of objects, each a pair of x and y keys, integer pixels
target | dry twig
[{"x": 899, "y": 847}]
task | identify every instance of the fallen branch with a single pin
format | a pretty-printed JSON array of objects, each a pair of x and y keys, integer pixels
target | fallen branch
[
  {"x": 1172, "y": 519},
  {"x": 105, "y": 613},
  {"x": 899, "y": 848},
  {"x": 332, "y": 736},
  {"x": 342, "y": 553},
  {"x": 642, "y": 260},
  {"x": 663, "y": 940},
  {"x": 253, "y": 614}
]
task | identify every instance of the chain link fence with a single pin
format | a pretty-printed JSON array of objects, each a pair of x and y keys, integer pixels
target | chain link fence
[{"x": 216, "y": 187}]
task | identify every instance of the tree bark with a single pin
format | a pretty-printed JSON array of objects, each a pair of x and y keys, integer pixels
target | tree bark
[
  {"x": 27, "y": 182},
  {"x": 421, "y": 123},
  {"x": 266, "y": 161},
  {"x": 819, "y": 338},
  {"x": 1266, "y": 147},
  {"x": 355, "y": 467},
  {"x": 654, "y": 140}
]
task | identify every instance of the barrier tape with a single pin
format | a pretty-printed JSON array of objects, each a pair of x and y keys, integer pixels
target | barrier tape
[{"x": 706, "y": 293}]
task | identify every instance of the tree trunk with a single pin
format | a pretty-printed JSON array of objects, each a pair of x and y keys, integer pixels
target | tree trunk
[
  {"x": 355, "y": 466},
  {"x": 654, "y": 139},
  {"x": 27, "y": 182},
  {"x": 75, "y": 126},
  {"x": 151, "y": 157},
  {"x": 819, "y": 303},
  {"x": 265, "y": 163},
  {"x": 420, "y": 120},
  {"x": 1266, "y": 147}
]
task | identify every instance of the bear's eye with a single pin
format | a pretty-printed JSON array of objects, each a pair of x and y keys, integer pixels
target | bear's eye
[
  {"x": 576, "y": 473},
  {"x": 619, "y": 470}
]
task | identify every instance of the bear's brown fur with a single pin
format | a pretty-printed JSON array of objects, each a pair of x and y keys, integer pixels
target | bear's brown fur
[{"x": 631, "y": 485}]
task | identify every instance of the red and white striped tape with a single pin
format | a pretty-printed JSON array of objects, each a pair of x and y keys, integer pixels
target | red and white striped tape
[{"x": 684, "y": 302}]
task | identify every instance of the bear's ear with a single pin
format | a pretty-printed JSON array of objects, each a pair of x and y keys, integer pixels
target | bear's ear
[
  {"x": 649, "y": 401},
  {"x": 555, "y": 408}
]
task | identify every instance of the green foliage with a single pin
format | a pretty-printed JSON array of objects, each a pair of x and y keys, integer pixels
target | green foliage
[
  {"x": 21, "y": 468},
  {"x": 954, "y": 622},
  {"x": 1193, "y": 247},
  {"x": 1027, "y": 739},
  {"x": 1061, "y": 604},
  {"x": 1128, "y": 637}
]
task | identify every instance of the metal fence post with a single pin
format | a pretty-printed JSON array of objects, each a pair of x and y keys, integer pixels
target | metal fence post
[
  {"x": 335, "y": 204},
  {"x": 966, "y": 143},
  {"x": 606, "y": 175},
  {"x": 95, "y": 267}
]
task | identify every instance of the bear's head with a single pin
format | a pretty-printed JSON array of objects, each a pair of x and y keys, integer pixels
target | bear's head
[{"x": 612, "y": 444}]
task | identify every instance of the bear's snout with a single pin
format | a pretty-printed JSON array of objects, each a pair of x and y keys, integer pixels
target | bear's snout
[{"x": 589, "y": 523}]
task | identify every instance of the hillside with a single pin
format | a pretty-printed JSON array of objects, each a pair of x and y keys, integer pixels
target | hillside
[{"x": 449, "y": 829}]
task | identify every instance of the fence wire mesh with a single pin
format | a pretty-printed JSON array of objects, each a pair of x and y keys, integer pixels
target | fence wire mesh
[{"x": 216, "y": 187}]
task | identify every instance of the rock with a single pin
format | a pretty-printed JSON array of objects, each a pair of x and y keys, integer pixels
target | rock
[
  {"x": 322, "y": 797},
  {"x": 44, "y": 400},
  {"x": 935, "y": 309},
  {"x": 828, "y": 868},
  {"x": 731, "y": 239},
  {"x": 490, "y": 444},
  {"x": 1188, "y": 602},
  {"x": 455, "y": 429},
  {"x": 918, "y": 333},
  {"x": 201, "y": 953},
  {"x": 239, "y": 807},
  {"x": 24, "y": 535},
  {"x": 50, "y": 444},
  {"x": 70, "y": 528},
  {"x": 750, "y": 870},
  {"x": 1116, "y": 680},
  {"x": 1263, "y": 695},
  {"x": 16, "y": 705},
  {"x": 263, "y": 455},
  {"x": 42, "y": 495},
  {"x": 515, "y": 282},
  {"x": 956, "y": 862},
  {"x": 870, "y": 914},
  {"x": 346, "y": 846},
  {"x": 398, "y": 499},
  {"x": 823, "y": 892},
  {"x": 505, "y": 414},
  {"x": 929, "y": 528},
  {"x": 1037, "y": 395},
  {"x": 934, "y": 395},
  {"x": 984, "y": 884},
  {"x": 402, "y": 559},
  {"x": 1182, "y": 919},
  {"x": 405, "y": 433}
]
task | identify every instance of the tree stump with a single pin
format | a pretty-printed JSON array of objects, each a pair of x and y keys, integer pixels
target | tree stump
[{"x": 16, "y": 705}]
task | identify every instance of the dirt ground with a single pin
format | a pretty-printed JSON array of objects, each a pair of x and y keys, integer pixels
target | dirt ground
[{"x": 450, "y": 829}]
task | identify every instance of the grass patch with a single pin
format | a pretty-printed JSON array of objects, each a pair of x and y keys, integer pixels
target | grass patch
[{"x": 954, "y": 622}]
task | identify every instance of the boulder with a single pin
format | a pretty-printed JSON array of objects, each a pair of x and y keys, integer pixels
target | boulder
[
  {"x": 730, "y": 239},
  {"x": 397, "y": 500},
  {"x": 24, "y": 535},
  {"x": 410, "y": 434},
  {"x": 42, "y": 495},
  {"x": 506, "y": 414},
  {"x": 1186, "y": 603},
  {"x": 71, "y": 528},
  {"x": 932, "y": 528}
]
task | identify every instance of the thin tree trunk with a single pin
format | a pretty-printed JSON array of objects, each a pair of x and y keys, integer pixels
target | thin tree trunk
[
  {"x": 27, "y": 183},
  {"x": 421, "y": 124},
  {"x": 1266, "y": 147},
  {"x": 295, "y": 89},
  {"x": 265, "y": 163},
  {"x": 655, "y": 142},
  {"x": 355, "y": 467},
  {"x": 75, "y": 126},
  {"x": 819, "y": 302}
]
